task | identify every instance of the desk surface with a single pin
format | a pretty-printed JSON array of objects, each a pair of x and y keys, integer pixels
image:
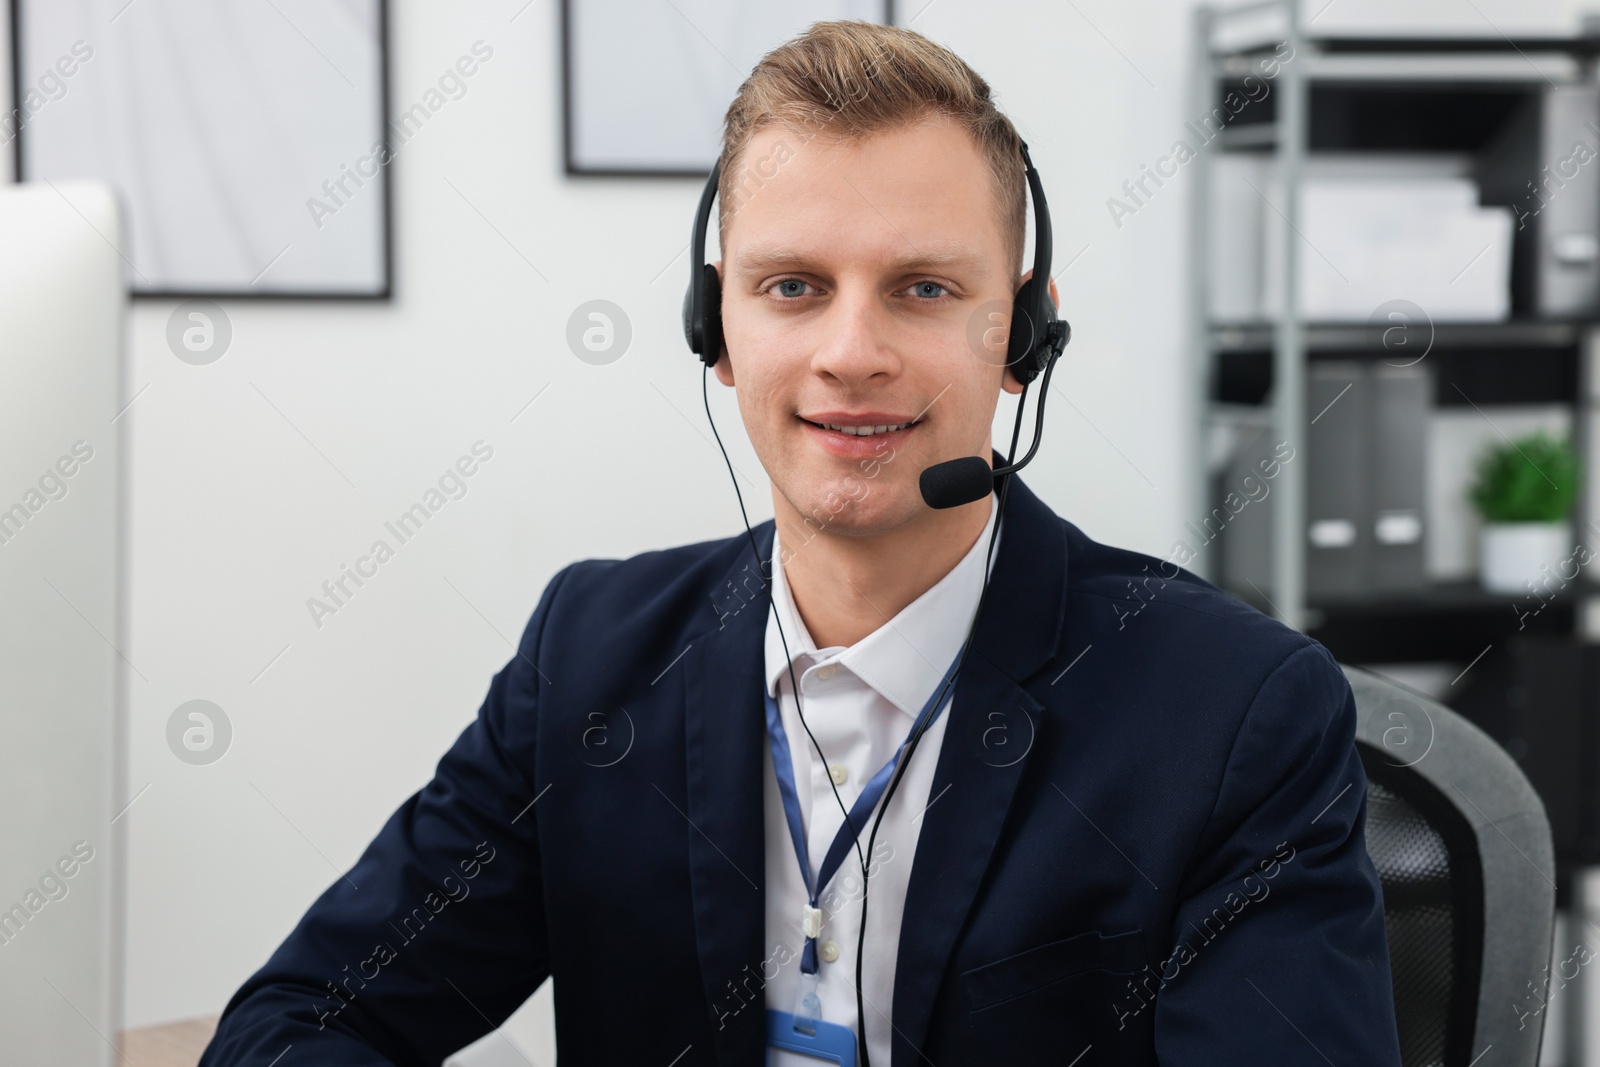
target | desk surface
[{"x": 173, "y": 1045}]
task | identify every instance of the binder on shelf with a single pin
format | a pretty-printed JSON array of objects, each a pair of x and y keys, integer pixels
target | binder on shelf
[
  {"x": 1245, "y": 539},
  {"x": 1366, "y": 456},
  {"x": 1402, "y": 398},
  {"x": 1338, "y": 526},
  {"x": 1544, "y": 167}
]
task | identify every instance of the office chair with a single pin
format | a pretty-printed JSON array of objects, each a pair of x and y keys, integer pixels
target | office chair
[{"x": 1463, "y": 848}]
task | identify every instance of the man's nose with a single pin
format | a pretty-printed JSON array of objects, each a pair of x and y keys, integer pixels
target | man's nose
[{"x": 858, "y": 339}]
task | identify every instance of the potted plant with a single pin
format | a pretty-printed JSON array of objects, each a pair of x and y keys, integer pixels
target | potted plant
[{"x": 1524, "y": 492}]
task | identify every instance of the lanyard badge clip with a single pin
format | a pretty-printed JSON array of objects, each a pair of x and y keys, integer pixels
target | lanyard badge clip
[{"x": 807, "y": 1005}]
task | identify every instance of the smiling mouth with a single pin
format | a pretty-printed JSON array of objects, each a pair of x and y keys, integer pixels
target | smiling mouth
[{"x": 861, "y": 431}]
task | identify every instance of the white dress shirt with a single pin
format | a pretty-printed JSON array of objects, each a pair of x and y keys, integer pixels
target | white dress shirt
[{"x": 860, "y": 703}]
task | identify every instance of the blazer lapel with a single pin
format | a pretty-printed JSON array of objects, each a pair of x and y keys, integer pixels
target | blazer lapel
[
  {"x": 994, "y": 726},
  {"x": 724, "y": 734}
]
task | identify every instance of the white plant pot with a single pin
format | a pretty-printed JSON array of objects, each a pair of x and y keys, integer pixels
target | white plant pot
[{"x": 1516, "y": 553}]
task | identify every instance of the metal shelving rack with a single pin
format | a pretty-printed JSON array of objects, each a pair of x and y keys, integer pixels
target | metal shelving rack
[
  {"x": 1210, "y": 65},
  {"x": 1291, "y": 340},
  {"x": 1349, "y": 60}
]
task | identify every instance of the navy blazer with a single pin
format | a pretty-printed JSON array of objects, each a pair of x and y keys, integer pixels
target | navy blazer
[{"x": 1146, "y": 842}]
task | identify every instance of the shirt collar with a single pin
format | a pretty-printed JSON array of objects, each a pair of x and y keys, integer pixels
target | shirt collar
[{"x": 904, "y": 659}]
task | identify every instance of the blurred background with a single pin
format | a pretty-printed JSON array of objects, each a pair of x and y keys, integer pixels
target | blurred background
[{"x": 412, "y": 273}]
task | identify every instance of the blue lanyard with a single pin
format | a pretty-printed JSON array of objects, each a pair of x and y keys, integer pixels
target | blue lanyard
[{"x": 856, "y": 821}]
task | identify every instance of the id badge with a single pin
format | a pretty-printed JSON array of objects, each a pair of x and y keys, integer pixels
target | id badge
[{"x": 829, "y": 1042}]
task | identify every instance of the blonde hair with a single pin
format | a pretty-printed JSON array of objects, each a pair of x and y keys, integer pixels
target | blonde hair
[{"x": 850, "y": 79}]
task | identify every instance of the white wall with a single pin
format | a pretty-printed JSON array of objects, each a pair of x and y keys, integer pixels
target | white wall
[{"x": 256, "y": 477}]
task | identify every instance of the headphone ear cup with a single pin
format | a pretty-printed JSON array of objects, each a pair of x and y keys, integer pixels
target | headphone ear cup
[
  {"x": 1025, "y": 335},
  {"x": 705, "y": 321},
  {"x": 688, "y": 318},
  {"x": 710, "y": 314}
]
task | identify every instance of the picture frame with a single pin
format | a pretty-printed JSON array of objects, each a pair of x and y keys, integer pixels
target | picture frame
[
  {"x": 692, "y": 54},
  {"x": 249, "y": 144}
]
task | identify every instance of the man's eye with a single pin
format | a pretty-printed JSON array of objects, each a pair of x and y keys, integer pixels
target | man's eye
[
  {"x": 929, "y": 290},
  {"x": 790, "y": 287}
]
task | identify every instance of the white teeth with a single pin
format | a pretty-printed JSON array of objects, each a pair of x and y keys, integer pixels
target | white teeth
[{"x": 864, "y": 431}]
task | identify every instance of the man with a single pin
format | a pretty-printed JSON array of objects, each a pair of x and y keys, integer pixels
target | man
[{"x": 1134, "y": 835}]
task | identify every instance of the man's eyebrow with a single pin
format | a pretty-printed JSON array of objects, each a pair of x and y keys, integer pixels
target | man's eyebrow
[{"x": 757, "y": 259}]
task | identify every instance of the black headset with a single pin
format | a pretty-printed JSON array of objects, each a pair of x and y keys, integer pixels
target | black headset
[{"x": 1036, "y": 338}]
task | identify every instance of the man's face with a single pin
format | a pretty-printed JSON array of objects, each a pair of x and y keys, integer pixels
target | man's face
[{"x": 860, "y": 283}]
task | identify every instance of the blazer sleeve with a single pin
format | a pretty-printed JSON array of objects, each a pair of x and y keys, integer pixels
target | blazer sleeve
[
  {"x": 1278, "y": 954},
  {"x": 437, "y": 934}
]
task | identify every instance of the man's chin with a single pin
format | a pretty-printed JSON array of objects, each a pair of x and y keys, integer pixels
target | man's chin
[{"x": 880, "y": 510}]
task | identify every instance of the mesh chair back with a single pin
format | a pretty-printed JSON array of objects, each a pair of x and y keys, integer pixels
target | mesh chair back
[{"x": 1463, "y": 848}]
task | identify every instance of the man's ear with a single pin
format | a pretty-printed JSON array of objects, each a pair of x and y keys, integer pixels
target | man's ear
[
  {"x": 723, "y": 368},
  {"x": 1009, "y": 383}
]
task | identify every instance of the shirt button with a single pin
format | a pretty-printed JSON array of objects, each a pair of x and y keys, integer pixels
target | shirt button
[
  {"x": 838, "y": 773},
  {"x": 830, "y": 951},
  {"x": 827, "y": 671}
]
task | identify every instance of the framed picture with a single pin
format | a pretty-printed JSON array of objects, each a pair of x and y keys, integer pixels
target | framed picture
[
  {"x": 248, "y": 143},
  {"x": 647, "y": 85}
]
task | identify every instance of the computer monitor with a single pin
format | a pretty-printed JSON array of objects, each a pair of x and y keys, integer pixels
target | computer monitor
[{"x": 62, "y": 622}]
